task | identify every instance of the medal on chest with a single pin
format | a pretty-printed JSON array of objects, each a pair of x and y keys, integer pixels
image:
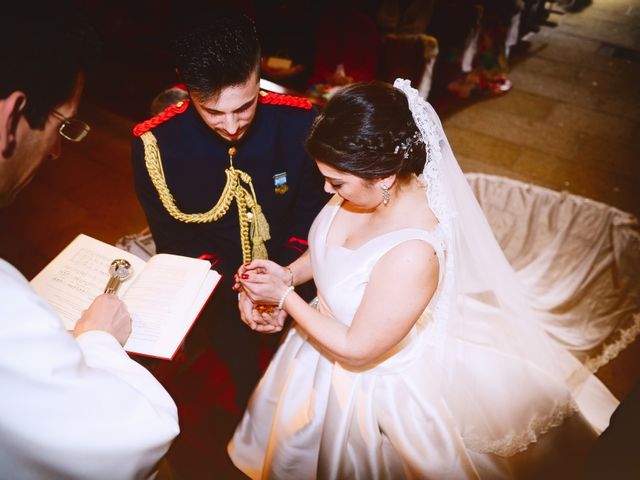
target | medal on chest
[{"x": 280, "y": 183}]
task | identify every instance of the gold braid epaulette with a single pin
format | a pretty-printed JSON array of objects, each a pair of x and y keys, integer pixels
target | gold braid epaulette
[{"x": 254, "y": 229}]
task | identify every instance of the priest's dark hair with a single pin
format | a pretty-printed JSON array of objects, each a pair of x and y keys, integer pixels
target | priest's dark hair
[
  {"x": 43, "y": 48},
  {"x": 217, "y": 49},
  {"x": 367, "y": 130}
]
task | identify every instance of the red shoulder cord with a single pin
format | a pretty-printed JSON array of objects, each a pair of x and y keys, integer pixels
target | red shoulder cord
[
  {"x": 166, "y": 114},
  {"x": 288, "y": 100}
]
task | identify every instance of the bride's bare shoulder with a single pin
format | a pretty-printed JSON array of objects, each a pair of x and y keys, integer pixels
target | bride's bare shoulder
[{"x": 413, "y": 258}]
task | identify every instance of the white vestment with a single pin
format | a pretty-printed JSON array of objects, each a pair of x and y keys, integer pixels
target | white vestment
[{"x": 73, "y": 408}]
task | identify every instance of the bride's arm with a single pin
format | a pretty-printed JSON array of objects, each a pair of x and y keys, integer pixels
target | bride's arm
[
  {"x": 401, "y": 285},
  {"x": 300, "y": 269}
]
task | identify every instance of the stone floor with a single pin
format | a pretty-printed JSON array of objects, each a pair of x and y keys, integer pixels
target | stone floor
[
  {"x": 571, "y": 122},
  {"x": 572, "y": 119}
]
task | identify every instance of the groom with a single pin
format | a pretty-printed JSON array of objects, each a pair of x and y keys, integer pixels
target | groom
[{"x": 227, "y": 124}]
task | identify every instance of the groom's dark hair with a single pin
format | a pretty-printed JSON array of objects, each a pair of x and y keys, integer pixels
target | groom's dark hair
[
  {"x": 367, "y": 130},
  {"x": 216, "y": 49}
]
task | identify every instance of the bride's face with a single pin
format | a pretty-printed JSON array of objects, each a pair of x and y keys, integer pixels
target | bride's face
[{"x": 359, "y": 192}]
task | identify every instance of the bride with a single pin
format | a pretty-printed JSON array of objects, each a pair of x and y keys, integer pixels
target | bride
[{"x": 420, "y": 356}]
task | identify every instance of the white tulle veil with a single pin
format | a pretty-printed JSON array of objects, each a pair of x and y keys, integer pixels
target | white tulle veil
[{"x": 535, "y": 381}]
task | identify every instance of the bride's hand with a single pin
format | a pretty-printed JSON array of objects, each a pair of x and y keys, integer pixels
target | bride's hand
[
  {"x": 264, "y": 281},
  {"x": 264, "y": 266}
]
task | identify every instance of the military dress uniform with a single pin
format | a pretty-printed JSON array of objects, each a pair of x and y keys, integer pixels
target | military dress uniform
[{"x": 194, "y": 165}]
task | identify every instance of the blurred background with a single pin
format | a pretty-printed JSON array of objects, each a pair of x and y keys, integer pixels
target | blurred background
[{"x": 542, "y": 92}]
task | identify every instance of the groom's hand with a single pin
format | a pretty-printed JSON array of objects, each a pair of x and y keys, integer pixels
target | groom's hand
[
  {"x": 259, "y": 322},
  {"x": 272, "y": 322}
]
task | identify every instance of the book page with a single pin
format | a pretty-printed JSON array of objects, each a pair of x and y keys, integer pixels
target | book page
[
  {"x": 164, "y": 295},
  {"x": 163, "y": 300},
  {"x": 72, "y": 280}
]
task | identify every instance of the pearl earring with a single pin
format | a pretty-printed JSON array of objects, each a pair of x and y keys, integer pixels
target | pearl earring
[{"x": 385, "y": 194}]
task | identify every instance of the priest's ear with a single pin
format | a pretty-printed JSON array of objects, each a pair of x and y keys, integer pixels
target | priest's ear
[{"x": 11, "y": 109}]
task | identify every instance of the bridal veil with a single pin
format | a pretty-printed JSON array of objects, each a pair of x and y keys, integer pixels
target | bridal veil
[{"x": 513, "y": 381}]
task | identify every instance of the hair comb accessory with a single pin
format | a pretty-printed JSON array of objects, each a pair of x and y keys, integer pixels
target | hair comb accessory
[{"x": 406, "y": 146}]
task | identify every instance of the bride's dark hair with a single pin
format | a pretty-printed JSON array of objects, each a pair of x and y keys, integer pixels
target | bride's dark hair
[{"x": 367, "y": 130}]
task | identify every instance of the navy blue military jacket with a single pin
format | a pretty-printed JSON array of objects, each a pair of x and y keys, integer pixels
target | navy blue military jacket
[{"x": 194, "y": 159}]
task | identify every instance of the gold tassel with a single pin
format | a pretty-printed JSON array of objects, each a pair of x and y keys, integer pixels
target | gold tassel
[
  {"x": 252, "y": 236},
  {"x": 259, "y": 233}
]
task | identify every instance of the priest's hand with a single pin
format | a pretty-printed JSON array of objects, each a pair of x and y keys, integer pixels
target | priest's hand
[{"x": 108, "y": 313}]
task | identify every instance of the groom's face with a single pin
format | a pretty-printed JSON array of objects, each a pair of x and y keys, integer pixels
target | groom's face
[{"x": 232, "y": 110}]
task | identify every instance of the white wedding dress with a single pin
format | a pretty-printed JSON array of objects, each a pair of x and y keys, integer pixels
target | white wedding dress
[
  {"x": 477, "y": 389},
  {"x": 311, "y": 418}
]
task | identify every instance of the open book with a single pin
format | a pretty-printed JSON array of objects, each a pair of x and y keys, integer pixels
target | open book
[{"x": 164, "y": 295}]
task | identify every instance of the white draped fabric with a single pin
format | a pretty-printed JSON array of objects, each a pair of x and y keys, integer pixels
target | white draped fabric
[
  {"x": 73, "y": 408},
  {"x": 580, "y": 260}
]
